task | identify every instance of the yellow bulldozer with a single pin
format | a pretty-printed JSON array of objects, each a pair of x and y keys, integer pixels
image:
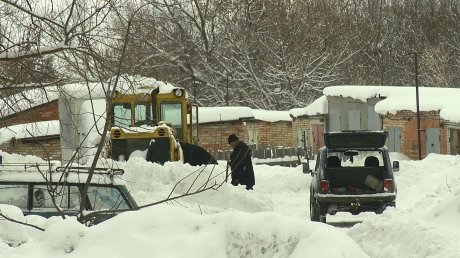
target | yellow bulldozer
[{"x": 159, "y": 122}]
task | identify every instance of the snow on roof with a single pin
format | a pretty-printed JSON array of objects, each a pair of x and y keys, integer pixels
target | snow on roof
[
  {"x": 29, "y": 130},
  {"x": 318, "y": 107},
  {"x": 271, "y": 115},
  {"x": 96, "y": 90},
  {"x": 446, "y": 100},
  {"x": 27, "y": 99},
  {"x": 216, "y": 114}
]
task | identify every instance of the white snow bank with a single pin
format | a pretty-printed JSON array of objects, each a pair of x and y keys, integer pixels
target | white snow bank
[
  {"x": 165, "y": 231},
  {"x": 404, "y": 98},
  {"x": 186, "y": 230},
  {"x": 393, "y": 235},
  {"x": 426, "y": 220},
  {"x": 11, "y": 234},
  {"x": 398, "y": 156},
  {"x": 158, "y": 181}
]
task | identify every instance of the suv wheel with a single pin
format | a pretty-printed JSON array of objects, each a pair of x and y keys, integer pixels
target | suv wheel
[{"x": 315, "y": 211}]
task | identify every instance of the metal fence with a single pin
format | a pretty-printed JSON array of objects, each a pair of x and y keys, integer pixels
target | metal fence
[{"x": 270, "y": 155}]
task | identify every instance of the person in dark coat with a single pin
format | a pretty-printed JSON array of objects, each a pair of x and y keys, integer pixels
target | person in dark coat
[{"x": 241, "y": 164}]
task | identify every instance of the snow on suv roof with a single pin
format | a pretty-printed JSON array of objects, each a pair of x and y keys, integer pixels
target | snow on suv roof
[{"x": 32, "y": 175}]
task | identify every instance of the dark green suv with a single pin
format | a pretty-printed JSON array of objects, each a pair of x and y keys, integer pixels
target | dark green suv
[
  {"x": 353, "y": 174},
  {"x": 34, "y": 195}
]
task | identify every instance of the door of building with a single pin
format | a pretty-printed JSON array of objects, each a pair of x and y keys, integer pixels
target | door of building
[
  {"x": 454, "y": 141},
  {"x": 354, "y": 120},
  {"x": 394, "y": 139},
  {"x": 334, "y": 120},
  {"x": 318, "y": 136},
  {"x": 374, "y": 122},
  {"x": 433, "y": 140}
]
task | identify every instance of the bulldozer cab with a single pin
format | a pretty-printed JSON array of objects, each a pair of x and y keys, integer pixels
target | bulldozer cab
[
  {"x": 150, "y": 121},
  {"x": 172, "y": 108}
]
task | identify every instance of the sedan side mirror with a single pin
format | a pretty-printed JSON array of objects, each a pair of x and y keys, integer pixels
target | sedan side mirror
[{"x": 395, "y": 166}]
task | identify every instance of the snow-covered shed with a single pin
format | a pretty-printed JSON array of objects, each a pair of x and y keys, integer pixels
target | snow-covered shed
[
  {"x": 254, "y": 126},
  {"x": 393, "y": 109}
]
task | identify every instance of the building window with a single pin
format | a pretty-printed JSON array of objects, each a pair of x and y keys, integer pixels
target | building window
[{"x": 253, "y": 136}]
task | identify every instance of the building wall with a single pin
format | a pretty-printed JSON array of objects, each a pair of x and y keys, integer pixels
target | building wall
[
  {"x": 275, "y": 134},
  {"x": 45, "y": 112},
  {"x": 407, "y": 122},
  {"x": 307, "y": 123},
  {"x": 213, "y": 136},
  {"x": 45, "y": 148},
  {"x": 346, "y": 113},
  {"x": 301, "y": 123},
  {"x": 453, "y": 136}
]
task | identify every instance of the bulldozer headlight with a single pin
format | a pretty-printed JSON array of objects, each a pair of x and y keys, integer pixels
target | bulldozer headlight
[{"x": 178, "y": 93}]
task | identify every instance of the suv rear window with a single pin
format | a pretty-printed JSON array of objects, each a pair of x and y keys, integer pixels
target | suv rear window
[{"x": 356, "y": 158}]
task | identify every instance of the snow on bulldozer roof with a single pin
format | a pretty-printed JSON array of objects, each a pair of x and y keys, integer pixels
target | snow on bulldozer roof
[{"x": 126, "y": 85}]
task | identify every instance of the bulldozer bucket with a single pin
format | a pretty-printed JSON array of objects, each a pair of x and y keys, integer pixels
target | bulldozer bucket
[{"x": 196, "y": 155}]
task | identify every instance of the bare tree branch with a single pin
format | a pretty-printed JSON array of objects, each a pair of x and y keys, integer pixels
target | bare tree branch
[{"x": 20, "y": 222}]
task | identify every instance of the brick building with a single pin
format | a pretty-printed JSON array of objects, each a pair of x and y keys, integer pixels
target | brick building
[
  {"x": 44, "y": 112},
  {"x": 34, "y": 120},
  {"x": 437, "y": 135},
  {"x": 393, "y": 109},
  {"x": 29, "y": 124},
  {"x": 255, "y": 127},
  {"x": 308, "y": 124}
]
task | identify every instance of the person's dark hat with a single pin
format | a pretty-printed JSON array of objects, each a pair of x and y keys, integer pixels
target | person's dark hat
[{"x": 232, "y": 138}]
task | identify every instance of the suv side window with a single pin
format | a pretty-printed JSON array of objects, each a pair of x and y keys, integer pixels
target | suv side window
[
  {"x": 14, "y": 194},
  {"x": 106, "y": 198},
  {"x": 67, "y": 197}
]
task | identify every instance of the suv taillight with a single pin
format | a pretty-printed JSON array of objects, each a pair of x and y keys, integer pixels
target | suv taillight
[
  {"x": 325, "y": 185},
  {"x": 387, "y": 184}
]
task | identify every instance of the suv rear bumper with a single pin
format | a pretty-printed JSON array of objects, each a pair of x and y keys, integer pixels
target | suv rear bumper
[{"x": 361, "y": 198}]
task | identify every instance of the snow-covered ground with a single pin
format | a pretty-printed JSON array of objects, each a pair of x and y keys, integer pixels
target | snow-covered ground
[{"x": 271, "y": 221}]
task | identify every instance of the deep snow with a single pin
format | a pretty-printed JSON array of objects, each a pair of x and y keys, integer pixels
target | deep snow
[{"x": 271, "y": 221}]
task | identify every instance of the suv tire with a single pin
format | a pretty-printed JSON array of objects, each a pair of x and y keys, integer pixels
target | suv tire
[{"x": 316, "y": 214}]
